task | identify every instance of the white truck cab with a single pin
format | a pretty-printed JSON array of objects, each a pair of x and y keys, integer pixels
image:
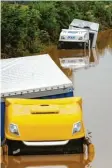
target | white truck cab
[
  {"x": 73, "y": 38},
  {"x": 80, "y": 34},
  {"x": 74, "y": 35},
  {"x": 86, "y": 25}
]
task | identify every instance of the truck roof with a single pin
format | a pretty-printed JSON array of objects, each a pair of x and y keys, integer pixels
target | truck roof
[
  {"x": 31, "y": 74},
  {"x": 82, "y": 24}
]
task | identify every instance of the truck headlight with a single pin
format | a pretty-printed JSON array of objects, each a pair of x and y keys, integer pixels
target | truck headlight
[
  {"x": 76, "y": 127},
  {"x": 14, "y": 129}
]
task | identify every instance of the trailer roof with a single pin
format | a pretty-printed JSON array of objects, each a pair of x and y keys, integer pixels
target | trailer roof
[
  {"x": 82, "y": 23},
  {"x": 31, "y": 74}
]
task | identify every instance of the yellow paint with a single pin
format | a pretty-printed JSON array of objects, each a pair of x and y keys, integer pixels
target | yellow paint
[{"x": 38, "y": 122}]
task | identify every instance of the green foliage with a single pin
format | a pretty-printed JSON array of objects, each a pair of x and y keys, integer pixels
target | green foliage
[{"x": 27, "y": 27}]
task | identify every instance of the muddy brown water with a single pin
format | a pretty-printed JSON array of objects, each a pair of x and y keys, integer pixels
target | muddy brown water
[{"x": 94, "y": 85}]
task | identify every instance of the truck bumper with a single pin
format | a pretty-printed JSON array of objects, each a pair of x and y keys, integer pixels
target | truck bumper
[
  {"x": 70, "y": 45},
  {"x": 52, "y": 147}
]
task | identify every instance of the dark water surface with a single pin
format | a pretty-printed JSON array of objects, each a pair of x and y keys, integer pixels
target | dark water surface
[{"x": 94, "y": 85}]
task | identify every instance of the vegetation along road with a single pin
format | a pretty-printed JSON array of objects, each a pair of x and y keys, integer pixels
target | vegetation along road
[{"x": 29, "y": 27}]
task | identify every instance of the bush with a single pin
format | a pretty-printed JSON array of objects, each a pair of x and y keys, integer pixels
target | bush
[{"x": 27, "y": 27}]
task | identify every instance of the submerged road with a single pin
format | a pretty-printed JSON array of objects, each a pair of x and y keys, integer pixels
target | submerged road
[{"x": 94, "y": 85}]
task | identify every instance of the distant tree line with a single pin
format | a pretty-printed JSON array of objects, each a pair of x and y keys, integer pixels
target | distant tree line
[{"x": 28, "y": 27}]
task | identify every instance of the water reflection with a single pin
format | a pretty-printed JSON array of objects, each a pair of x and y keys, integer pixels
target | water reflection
[
  {"x": 76, "y": 62},
  {"x": 87, "y": 59},
  {"x": 54, "y": 161},
  {"x": 67, "y": 60}
]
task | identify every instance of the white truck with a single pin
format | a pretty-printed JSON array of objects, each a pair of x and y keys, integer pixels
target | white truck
[{"x": 80, "y": 34}]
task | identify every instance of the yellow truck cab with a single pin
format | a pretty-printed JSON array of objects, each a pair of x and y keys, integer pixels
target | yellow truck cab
[{"x": 44, "y": 125}]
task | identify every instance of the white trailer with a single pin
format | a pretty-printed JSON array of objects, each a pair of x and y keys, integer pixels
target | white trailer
[
  {"x": 86, "y": 25},
  {"x": 32, "y": 77}
]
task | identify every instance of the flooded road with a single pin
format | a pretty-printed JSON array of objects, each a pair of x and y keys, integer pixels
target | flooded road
[
  {"x": 94, "y": 85},
  {"x": 93, "y": 82}
]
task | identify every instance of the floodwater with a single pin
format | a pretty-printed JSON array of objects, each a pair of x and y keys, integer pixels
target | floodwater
[
  {"x": 92, "y": 80},
  {"x": 94, "y": 85}
]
